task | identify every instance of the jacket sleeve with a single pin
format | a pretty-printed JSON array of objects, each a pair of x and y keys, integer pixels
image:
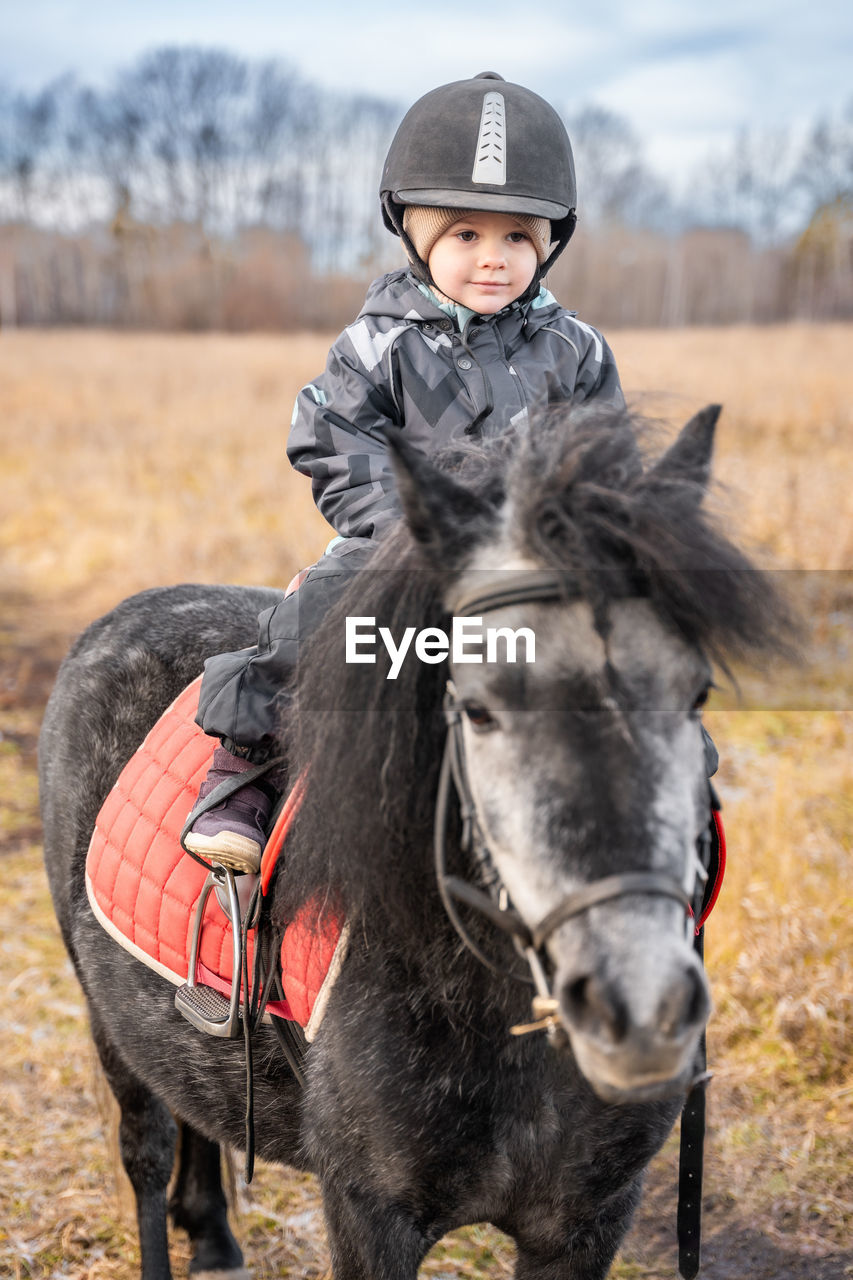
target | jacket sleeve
[
  {"x": 337, "y": 438},
  {"x": 597, "y": 376}
]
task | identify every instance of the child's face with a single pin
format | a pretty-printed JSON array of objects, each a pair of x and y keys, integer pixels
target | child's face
[{"x": 483, "y": 261}]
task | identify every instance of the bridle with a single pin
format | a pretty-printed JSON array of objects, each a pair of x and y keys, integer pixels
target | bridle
[
  {"x": 547, "y": 585},
  {"x": 507, "y": 588}
]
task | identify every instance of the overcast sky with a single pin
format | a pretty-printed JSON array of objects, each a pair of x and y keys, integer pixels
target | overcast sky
[{"x": 686, "y": 74}]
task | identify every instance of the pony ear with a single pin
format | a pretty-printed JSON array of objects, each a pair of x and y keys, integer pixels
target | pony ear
[
  {"x": 689, "y": 456},
  {"x": 442, "y": 514}
]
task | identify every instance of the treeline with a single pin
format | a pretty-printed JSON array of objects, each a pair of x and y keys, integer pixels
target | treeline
[{"x": 203, "y": 190}]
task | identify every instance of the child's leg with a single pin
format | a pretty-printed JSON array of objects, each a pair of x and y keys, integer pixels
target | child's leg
[
  {"x": 243, "y": 699},
  {"x": 244, "y": 695}
]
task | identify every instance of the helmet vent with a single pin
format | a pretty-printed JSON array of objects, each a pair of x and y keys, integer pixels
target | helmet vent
[{"x": 490, "y": 156}]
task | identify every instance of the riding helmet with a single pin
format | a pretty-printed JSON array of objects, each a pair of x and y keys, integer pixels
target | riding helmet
[{"x": 484, "y": 144}]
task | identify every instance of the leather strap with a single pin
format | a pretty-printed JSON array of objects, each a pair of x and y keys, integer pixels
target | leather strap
[
  {"x": 514, "y": 588},
  {"x": 654, "y": 882},
  {"x": 526, "y": 585},
  {"x": 690, "y": 1162},
  {"x": 504, "y": 917},
  {"x": 689, "y": 1221}
]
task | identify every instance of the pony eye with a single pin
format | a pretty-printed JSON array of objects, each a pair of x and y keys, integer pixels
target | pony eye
[
  {"x": 701, "y": 699},
  {"x": 481, "y": 720}
]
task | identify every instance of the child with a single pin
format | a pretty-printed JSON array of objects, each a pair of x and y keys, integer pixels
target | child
[{"x": 479, "y": 184}]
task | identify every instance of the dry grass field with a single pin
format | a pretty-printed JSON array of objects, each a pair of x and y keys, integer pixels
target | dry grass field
[{"x": 135, "y": 460}]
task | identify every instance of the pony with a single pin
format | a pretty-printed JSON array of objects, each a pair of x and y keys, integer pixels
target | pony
[{"x": 566, "y": 798}]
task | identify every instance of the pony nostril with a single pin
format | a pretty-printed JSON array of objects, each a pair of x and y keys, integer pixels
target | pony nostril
[
  {"x": 595, "y": 1008},
  {"x": 574, "y": 998},
  {"x": 699, "y": 1007},
  {"x": 686, "y": 1006}
]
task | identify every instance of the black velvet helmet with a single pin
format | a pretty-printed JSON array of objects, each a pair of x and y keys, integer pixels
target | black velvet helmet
[{"x": 482, "y": 144}]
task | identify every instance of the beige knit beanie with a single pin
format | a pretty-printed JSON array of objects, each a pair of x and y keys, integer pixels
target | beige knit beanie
[{"x": 424, "y": 224}]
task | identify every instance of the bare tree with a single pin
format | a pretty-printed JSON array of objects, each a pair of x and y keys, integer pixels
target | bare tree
[
  {"x": 615, "y": 186},
  {"x": 111, "y": 131},
  {"x": 28, "y": 136},
  {"x": 283, "y": 117},
  {"x": 748, "y": 185},
  {"x": 357, "y": 131},
  {"x": 824, "y": 173},
  {"x": 187, "y": 101},
  {"x": 763, "y": 163}
]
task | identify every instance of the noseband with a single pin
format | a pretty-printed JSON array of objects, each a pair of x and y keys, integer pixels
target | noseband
[{"x": 508, "y": 589}]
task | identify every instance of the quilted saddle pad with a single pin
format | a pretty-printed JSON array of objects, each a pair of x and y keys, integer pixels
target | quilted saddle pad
[{"x": 143, "y": 888}]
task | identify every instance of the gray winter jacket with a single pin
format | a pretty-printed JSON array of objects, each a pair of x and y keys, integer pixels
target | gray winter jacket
[{"x": 403, "y": 361}]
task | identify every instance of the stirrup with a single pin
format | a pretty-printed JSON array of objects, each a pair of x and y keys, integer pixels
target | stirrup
[{"x": 205, "y": 1007}]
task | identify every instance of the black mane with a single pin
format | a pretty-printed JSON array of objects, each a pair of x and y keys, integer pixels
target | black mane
[
  {"x": 582, "y": 498},
  {"x": 589, "y": 502}
]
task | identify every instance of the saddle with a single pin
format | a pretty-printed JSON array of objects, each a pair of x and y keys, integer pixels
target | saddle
[{"x": 156, "y": 902}]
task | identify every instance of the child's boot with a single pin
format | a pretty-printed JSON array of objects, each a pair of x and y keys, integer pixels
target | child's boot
[{"x": 233, "y": 832}]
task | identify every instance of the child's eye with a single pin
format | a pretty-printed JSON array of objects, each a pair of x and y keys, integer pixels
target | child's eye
[
  {"x": 467, "y": 236},
  {"x": 517, "y": 237}
]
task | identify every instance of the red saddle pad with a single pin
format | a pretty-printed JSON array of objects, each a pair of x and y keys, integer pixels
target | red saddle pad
[{"x": 144, "y": 888}]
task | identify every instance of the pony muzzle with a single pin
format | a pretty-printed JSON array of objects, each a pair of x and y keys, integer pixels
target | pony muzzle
[{"x": 636, "y": 1040}]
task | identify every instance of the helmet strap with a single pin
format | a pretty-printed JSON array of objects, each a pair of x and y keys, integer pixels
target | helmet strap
[
  {"x": 566, "y": 227},
  {"x": 393, "y": 217},
  {"x": 565, "y": 230}
]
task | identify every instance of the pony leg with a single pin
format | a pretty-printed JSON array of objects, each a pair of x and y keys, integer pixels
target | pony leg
[
  {"x": 369, "y": 1240},
  {"x": 147, "y": 1144},
  {"x": 198, "y": 1206},
  {"x": 586, "y": 1250},
  {"x": 590, "y": 1265}
]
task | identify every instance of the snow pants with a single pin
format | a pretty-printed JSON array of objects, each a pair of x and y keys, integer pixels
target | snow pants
[{"x": 244, "y": 694}]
